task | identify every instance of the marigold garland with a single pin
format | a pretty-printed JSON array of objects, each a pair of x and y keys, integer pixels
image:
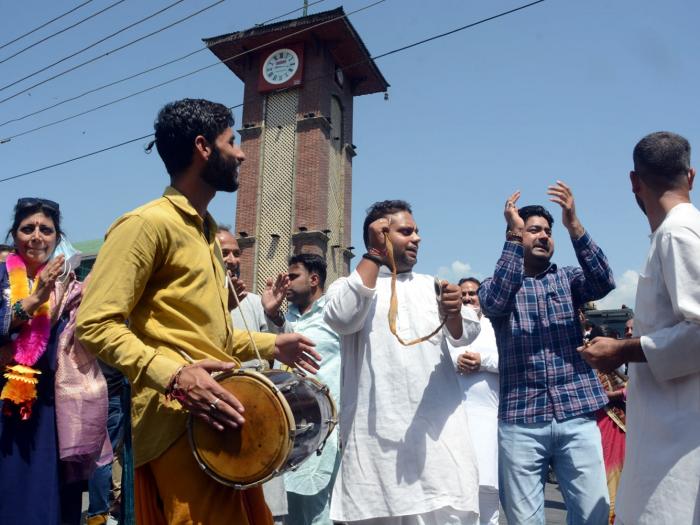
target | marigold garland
[{"x": 30, "y": 345}]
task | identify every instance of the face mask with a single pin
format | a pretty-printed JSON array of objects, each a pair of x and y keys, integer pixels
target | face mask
[{"x": 72, "y": 257}]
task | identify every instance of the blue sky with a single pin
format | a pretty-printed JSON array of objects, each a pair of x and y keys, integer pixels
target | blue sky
[{"x": 561, "y": 90}]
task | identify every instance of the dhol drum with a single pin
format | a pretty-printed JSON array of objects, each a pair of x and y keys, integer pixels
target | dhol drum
[{"x": 288, "y": 418}]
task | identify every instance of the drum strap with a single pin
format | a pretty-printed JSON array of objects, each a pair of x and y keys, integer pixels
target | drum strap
[
  {"x": 245, "y": 323},
  {"x": 394, "y": 302}
]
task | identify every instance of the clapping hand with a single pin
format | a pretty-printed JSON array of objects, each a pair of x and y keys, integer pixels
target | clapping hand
[
  {"x": 513, "y": 219},
  {"x": 240, "y": 290},
  {"x": 561, "y": 194},
  {"x": 273, "y": 295},
  {"x": 469, "y": 362}
]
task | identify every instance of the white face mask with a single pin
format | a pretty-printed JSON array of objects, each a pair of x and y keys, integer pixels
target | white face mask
[{"x": 72, "y": 257}]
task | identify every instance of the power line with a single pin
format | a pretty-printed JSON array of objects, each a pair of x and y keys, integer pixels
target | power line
[
  {"x": 90, "y": 46},
  {"x": 135, "y": 75},
  {"x": 180, "y": 77},
  {"x": 94, "y": 59},
  {"x": 64, "y": 29},
  {"x": 388, "y": 53},
  {"x": 20, "y": 37}
]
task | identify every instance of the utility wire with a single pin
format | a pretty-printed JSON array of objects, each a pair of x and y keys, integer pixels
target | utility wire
[
  {"x": 90, "y": 46},
  {"x": 388, "y": 53},
  {"x": 140, "y": 73},
  {"x": 110, "y": 6},
  {"x": 185, "y": 75},
  {"x": 20, "y": 37},
  {"x": 94, "y": 59}
]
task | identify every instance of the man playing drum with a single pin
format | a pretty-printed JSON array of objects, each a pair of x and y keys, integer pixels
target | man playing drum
[
  {"x": 162, "y": 270},
  {"x": 406, "y": 453}
]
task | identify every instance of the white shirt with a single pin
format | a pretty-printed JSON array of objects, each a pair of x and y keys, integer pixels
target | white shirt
[
  {"x": 480, "y": 390},
  {"x": 661, "y": 475},
  {"x": 402, "y": 430}
]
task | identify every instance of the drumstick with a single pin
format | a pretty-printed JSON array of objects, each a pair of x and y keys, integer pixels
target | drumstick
[{"x": 245, "y": 323}]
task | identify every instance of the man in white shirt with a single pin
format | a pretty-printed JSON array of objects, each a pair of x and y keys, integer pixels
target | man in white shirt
[
  {"x": 407, "y": 456},
  {"x": 661, "y": 478},
  {"x": 252, "y": 310},
  {"x": 478, "y": 369}
]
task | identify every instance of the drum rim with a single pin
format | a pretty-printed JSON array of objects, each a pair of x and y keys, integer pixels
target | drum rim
[{"x": 287, "y": 446}]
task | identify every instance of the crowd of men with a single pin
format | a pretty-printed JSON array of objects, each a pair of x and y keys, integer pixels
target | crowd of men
[{"x": 452, "y": 398}]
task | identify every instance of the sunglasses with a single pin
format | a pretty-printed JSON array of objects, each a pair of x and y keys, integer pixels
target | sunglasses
[{"x": 26, "y": 202}]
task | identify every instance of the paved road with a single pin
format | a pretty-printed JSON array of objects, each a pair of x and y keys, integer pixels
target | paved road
[{"x": 554, "y": 509}]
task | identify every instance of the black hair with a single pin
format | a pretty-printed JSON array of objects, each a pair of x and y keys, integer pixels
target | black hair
[
  {"x": 180, "y": 122},
  {"x": 26, "y": 207},
  {"x": 662, "y": 159},
  {"x": 223, "y": 228},
  {"x": 379, "y": 210},
  {"x": 469, "y": 280},
  {"x": 313, "y": 264},
  {"x": 535, "y": 211},
  {"x": 604, "y": 330}
]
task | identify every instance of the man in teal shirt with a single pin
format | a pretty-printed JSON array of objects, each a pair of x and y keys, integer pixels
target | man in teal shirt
[{"x": 308, "y": 488}]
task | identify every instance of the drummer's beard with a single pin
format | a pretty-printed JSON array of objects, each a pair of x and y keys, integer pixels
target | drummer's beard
[{"x": 221, "y": 173}]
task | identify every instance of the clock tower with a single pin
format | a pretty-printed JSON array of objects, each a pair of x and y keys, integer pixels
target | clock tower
[{"x": 300, "y": 78}]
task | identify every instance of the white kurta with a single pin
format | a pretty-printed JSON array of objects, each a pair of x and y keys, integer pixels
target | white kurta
[
  {"x": 404, "y": 444},
  {"x": 480, "y": 390},
  {"x": 661, "y": 475}
]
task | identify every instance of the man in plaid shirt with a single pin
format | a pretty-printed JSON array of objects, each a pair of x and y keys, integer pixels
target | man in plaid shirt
[{"x": 548, "y": 394}]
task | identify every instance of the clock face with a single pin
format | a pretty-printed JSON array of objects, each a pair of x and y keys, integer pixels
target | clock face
[{"x": 280, "y": 66}]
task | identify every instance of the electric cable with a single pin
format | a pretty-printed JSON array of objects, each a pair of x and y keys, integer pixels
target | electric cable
[
  {"x": 382, "y": 55},
  {"x": 140, "y": 73},
  {"x": 185, "y": 75},
  {"x": 110, "y": 52},
  {"x": 42, "y": 26},
  {"x": 76, "y": 24}
]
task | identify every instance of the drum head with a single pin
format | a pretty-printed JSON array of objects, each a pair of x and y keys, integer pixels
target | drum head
[{"x": 254, "y": 452}]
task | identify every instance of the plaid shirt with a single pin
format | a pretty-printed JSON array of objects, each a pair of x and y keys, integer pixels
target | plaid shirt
[{"x": 542, "y": 375}]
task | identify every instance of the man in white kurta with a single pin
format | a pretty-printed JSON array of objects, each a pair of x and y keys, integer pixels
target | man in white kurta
[
  {"x": 477, "y": 366},
  {"x": 407, "y": 456},
  {"x": 660, "y": 481}
]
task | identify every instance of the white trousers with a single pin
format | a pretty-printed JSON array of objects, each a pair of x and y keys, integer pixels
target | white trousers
[{"x": 443, "y": 516}]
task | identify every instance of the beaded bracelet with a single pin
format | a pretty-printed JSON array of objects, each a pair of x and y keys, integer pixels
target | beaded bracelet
[{"x": 173, "y": 391}]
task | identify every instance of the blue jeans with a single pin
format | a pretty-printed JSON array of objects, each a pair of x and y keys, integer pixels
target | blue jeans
[
  {"x": 574, "y": 449},
  {"x": 100, "y": 484}
]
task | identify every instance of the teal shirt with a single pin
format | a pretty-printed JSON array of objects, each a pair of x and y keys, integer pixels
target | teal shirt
[{"x": 314, "y": 474}]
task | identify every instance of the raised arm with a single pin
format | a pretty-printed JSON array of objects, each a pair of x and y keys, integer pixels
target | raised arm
[
  {"x": 594, "y": 280},
  {"x": 497, "y": 293}
]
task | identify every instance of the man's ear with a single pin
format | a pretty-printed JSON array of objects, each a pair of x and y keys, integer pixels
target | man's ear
[
  {"x": 691, "y": 178},
  {"x": 636, "y": 182},
  {"x": 202, "y": 149},
  {"x": 315, "y": 280}
]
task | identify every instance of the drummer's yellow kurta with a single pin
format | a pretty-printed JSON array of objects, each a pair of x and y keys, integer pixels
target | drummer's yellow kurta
[{"x": 159, "y": 270}]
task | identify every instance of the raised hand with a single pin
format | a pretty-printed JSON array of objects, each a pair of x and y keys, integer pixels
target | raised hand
[
  {"x": 450, "y": 300},
  {"x": 561, "y": 194},
  {"x": 298, "y": 352},
  {"x": 513, "y": 220},
  {"x": 45, "y": 285},
  {"x": 377, "y": 237},
  {"x": 205, "y": 398},
  {"x": 273, "y": 295}
]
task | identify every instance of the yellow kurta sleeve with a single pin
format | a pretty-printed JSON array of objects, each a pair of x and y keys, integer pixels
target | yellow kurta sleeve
[
  {"x": 123, "y": 268},
  {"x": 243, "y": 350}
]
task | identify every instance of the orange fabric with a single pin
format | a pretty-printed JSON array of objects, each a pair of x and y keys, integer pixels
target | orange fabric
[{"x": 173, "y": 490}]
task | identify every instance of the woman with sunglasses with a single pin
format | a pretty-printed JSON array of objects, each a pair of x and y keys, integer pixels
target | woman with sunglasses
[{"x": 36, "y": 306}]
